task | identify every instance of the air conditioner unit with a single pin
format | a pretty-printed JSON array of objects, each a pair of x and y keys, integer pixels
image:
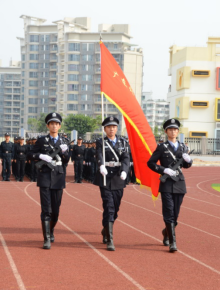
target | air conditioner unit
[{"x": 217, "y": 125}]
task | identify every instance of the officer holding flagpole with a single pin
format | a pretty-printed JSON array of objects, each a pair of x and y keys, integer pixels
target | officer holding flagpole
[{"x": 111, "y": 175}]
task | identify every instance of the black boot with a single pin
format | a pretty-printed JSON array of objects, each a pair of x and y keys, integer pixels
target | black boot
[
  {"x": 104, "y": 236},
  {"x": 172, "y": 237},
  {"x": 52, "y": 226},
  {"x": 109, "y": 235},
  {"x": 165, "y": 237},
  {"x": 46, "y": 234}
]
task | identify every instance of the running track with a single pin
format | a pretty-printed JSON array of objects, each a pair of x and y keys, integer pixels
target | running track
[{"x": 78, "y": 259}]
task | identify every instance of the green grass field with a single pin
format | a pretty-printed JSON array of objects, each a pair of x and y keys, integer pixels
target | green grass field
[{"x": 216, "y": 186}]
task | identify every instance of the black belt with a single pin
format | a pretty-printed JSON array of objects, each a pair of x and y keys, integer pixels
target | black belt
[{"x": 7, "y": 152}]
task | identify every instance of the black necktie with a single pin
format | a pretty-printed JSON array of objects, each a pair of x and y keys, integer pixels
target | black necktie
[{"x": 53, "y": 141}]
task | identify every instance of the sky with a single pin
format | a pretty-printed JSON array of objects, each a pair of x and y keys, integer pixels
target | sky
[{"x": 155, "y": 25}]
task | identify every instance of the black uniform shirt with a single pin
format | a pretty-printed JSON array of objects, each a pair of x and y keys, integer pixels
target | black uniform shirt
[
  {"x": 46, "y": 177},
  {"x": 21, "y": 152},
  {"x": 7, "y": 150},
  {"x": 78, "y": 153},
  {"x": 163, "y": 155},
  {"x": 113, "y": 180}
]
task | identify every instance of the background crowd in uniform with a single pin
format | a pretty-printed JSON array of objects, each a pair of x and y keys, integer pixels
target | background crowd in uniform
[{"x": 83, "y": 155}]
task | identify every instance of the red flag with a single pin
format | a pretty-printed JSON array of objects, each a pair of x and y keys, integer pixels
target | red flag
[{"x": 117, "y": 90}]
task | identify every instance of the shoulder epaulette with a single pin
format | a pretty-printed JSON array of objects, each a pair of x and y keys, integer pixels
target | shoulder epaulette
[{"x": 124, "y": 139}]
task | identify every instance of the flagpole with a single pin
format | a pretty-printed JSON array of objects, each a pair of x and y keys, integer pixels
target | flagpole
[{"x": 102, "y": 104}]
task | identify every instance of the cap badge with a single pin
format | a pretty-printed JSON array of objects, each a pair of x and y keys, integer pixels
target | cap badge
[
  {"x": 54, "y": 115},
  {"x": 172, "y": 121},
  {"x": 111, "y": 118}
]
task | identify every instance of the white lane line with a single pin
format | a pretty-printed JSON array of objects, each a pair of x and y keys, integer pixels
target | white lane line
[
  {"x": 133, "y": 204},
  {"x": 128, "y": 277},
  {"x": 186, "y": 196},
  {"x": 184, "y": 206},
  {"x": 152, "y": 237},
  {"x": 197, "y": 185},
  {"x": 12, "y": 264}
]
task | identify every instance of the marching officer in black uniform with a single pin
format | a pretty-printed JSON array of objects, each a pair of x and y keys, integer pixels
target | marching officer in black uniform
[
  {"x": 50, "y": 181},
  {"x": 115, "y": 169},
  {"x": 78, "y": 158},
  {"x": 21, "y": 151},
  {"x": 172, "y": 191},
  {"x": 7, "y": 156}
]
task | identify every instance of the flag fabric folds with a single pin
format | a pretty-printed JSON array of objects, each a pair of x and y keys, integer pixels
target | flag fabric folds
[{"x": 118, "y": 91}]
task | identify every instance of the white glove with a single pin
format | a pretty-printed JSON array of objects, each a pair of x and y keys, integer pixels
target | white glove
[
  {"x": 64, "y": 147},
  {"x": 45, "y": 157},
  {"x": 169, "y": 171},
  {"x": 123, "y": 175},
  {"x": 186, "y": 157},
  {"x": 103, "y": 170}
]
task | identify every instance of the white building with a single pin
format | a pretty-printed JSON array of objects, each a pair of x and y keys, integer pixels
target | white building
[
  {"x": 61, "y": 66},
  {"x": 155, "y": 110},
  {"x": 10, "y": 99},
  {"x": 194, "y": 93}
]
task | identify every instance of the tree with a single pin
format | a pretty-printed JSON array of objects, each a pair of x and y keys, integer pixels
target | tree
[
  {"x": 38, "y": 125},
  {"x": 41, "y": 123},
  {"x": 33, "y": 125},
  {"x": 81, "y": 123}
]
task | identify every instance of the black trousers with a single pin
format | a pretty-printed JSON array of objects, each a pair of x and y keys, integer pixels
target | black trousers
[
  {"x": 6, "y": 167},
  {"x": 111, "y": 200},
  {"x": 132, "y": 174},
  {"x": 20, "y": 168},
  {"x": 78, "y": 168},
  {"x": 171, "y": 203},
  {"x": 93, "y": 171},
  {"x": 50, "y": 203},
  {"x": 33, "y": 173}
]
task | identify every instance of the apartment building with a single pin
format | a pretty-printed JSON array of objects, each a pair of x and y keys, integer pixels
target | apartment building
[
  {"x": 194, "y": 92},
  {"x": 61, "y": 66},
  {"x": 155, "y": 110},
  {"x": 10, "y": 98}
]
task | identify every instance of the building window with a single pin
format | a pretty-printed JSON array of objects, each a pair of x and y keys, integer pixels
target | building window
[
  {"x": 73, "y": 57},
  {"x": 72, "y": 107},
  {"x": 32, "y": 110},
  {"x": 33, "y": 74},
  {"x": 32, "y": 101},
  {"x": 44, "y": 92},
  {"x": 73, "y": 87},
  {"x": 83, "y": 107},
  {"x": 33, "y": 83},
  {"x": 34, "y": 56},
  {"x": 34, "y": 47},
  {"x": 73, "y": 77},
  {"x": 197, "y": 134},
  {"x": 217, "y": 109},
  {"x": 74, "y": 47},
  {"x": 23, "y": 73},
  {"x": 72, "y": 97},
  {"x": 45, "y": 38},
  {"x": 23, "y": 57},
  {"x": 73, "y": 67},
  {"x": 33, "y": 92},
  {"x": 34, "y": 38},
  {"x": 23, "y": 66},
  {"x": 33, "y": 65},
  {"x": 83, "y": 97},
  {"x": 115, "y": 46},
  {"x": 87, "y": 77}
]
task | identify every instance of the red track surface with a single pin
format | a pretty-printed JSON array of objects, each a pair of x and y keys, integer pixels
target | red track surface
[{"x": 78, "y": 259}]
